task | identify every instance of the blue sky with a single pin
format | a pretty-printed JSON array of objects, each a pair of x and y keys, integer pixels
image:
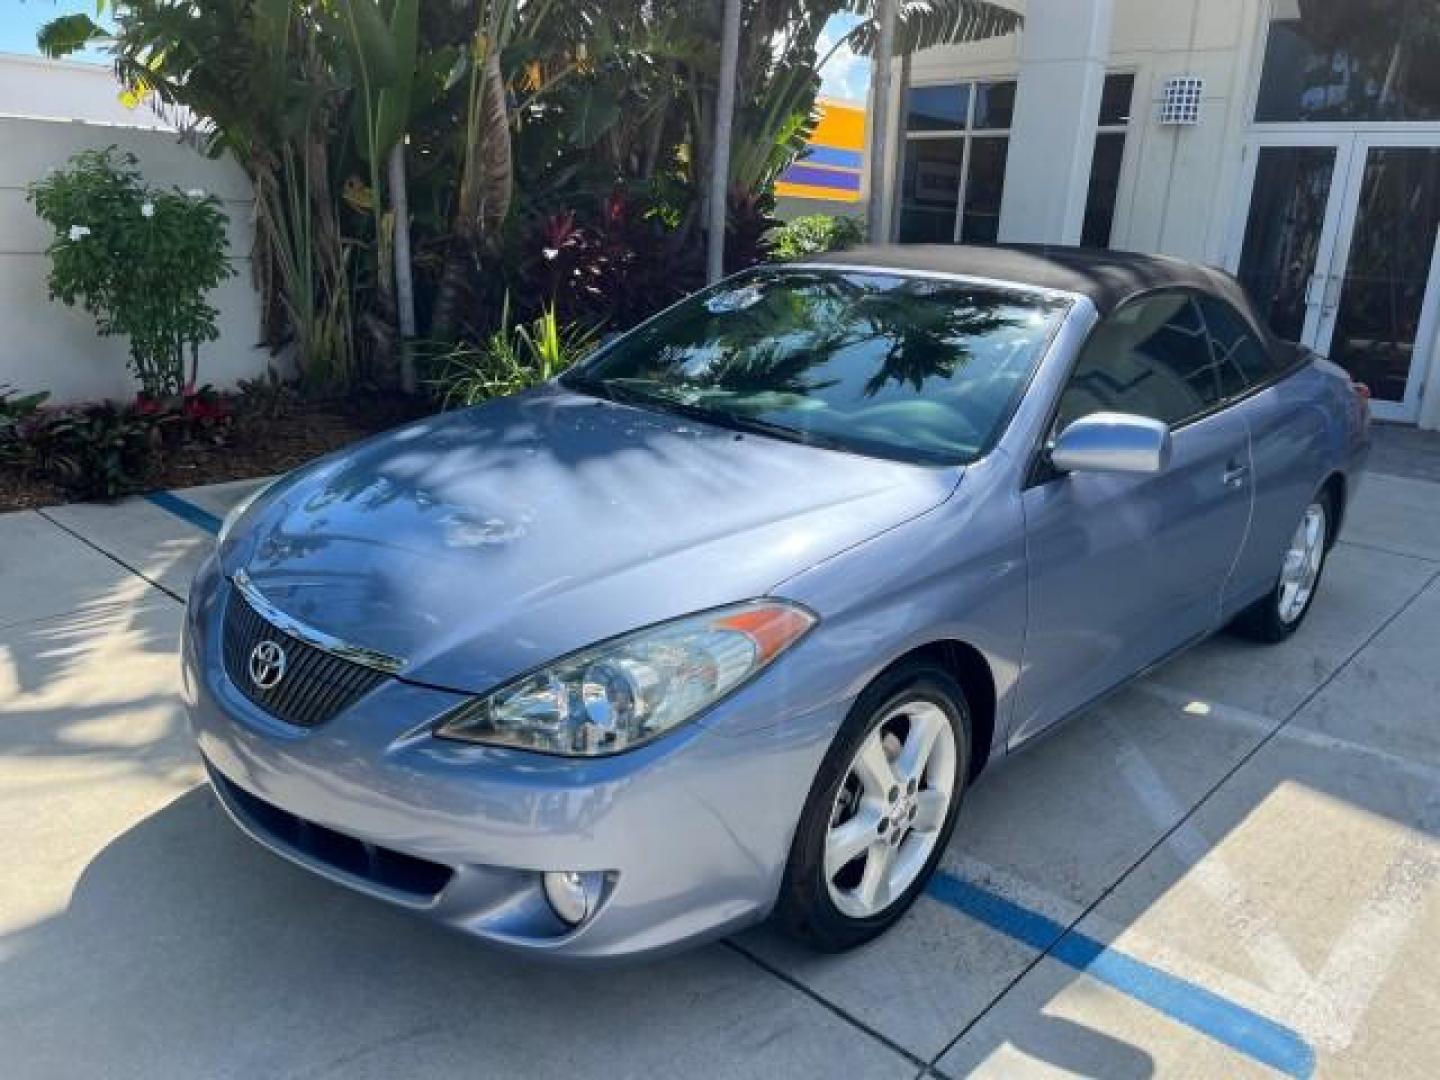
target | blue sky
[
  {"x": 845, "y": 76},
  {"x": 20, "y": 19}
]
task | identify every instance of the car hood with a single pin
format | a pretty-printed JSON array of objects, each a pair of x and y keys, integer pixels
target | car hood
[{"x": 478, "y": 544}]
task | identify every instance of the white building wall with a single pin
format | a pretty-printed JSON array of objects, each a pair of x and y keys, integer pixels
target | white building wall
[
  {"x": 1177, "y": 191},
  {"x": 48, "y": 112},
  {"x": 1064, "y": 54},
  {"x": 1177, "y": 188}
]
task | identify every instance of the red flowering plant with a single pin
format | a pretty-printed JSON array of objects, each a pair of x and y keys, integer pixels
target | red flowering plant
[
  {"x": 618, "y": 268},
  {"x": 193, "y": 415}
]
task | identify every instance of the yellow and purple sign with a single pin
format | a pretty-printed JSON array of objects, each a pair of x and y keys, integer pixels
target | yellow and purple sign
[{"x": 834, "y": 161}]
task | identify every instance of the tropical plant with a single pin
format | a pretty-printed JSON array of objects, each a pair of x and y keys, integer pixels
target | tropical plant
[
  {"x": 927, "y": 24},
  {"x": 16, "y": 413},
  {"x": 813, "y": 234},
  {"x": 463, "y": 129},
  {"x": 257, "y": 79},
  {"x": 141, "y": 260},
  {"x": 99, "y": 451},
  {"x": 382, "y": 52},
  {"x": 265, "y": 397},
  {"x": 512, "y": 357}
]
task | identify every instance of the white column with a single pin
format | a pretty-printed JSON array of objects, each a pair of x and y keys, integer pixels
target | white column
[{"x": 1063, "y": 50}]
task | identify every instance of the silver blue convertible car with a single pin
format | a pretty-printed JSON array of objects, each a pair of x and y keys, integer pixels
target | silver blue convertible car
[{"x": 721, "y": 624}]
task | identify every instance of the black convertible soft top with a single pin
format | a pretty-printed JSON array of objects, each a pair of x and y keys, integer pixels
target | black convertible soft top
[{"x": 1107, "y": 278}]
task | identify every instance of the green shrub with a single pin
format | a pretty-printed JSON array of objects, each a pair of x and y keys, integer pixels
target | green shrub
[
  {"x": 16, "y": 413},
  {"x": 140, "y": 260},
  {"x": 512, "y": 358},
  {"x": 99, "y": 451},
  {"x": 814, "y": 234},
  {"x": 266, "y": 397},
  {"x": 109, "y": 449}
]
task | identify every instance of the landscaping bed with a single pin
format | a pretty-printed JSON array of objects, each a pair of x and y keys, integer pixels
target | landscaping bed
[{"x": 250, "y": 444}]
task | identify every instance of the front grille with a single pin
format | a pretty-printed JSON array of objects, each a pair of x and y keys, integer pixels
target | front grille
[
  {"x": 382, "y": 866},
  {"x": 316, "y": 685}
]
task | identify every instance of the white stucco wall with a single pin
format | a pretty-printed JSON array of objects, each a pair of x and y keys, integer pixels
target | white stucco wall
[
  {"x": 1177, "y": 188},
  {"x": 48, "y": 112},
  {"x": 1181, "y": 187}
]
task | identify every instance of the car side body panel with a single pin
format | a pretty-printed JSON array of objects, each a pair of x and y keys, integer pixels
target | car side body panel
[
  {"x": 1303, "y": 430},
  {"x": 955, "y": 574},
  {"x": 1125, "y": 569}
]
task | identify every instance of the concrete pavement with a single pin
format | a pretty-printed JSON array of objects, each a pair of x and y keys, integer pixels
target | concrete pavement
[{"x": 1230, "y": 867}]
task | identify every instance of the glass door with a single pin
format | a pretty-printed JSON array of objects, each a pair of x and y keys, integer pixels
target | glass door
[
  {"x": 1378, "y": 316},
  {"x": 1339, "y": 251},
  {"x": 1283, "y": 257}
]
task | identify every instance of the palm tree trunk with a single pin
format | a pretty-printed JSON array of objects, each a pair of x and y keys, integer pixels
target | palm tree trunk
[
  {"x": 720, "y": 156},
  {"x": 876, "y": 224},
  {"x": 449, "y": 293},
  {"x": 404, "y": 281}
]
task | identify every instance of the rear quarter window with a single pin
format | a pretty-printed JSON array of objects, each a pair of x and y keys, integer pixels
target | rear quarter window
[{"x": 1237, "y": 348}]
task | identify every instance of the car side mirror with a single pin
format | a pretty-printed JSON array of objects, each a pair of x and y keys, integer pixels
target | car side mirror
[{"x": 1113, "y": 442}]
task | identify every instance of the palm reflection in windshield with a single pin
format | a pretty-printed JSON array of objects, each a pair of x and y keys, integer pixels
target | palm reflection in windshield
[{"x": 912, "y": 368}]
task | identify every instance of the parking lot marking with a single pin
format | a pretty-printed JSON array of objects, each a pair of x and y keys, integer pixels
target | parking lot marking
[
  {"x": 1251, "y": 926},
  {"x": 1264, "y": 725},
  {"x": 1247, "y": 1032},
  {"x": 1330, "y": 1006},
  {"x": 185, "y": 510}
]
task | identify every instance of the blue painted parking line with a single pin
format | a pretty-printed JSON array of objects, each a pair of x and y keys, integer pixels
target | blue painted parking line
[
  {"x": 186, "y": 510},
  {"x": 1237, "y": 1027}
]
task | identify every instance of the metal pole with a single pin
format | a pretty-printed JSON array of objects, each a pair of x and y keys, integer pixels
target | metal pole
[{"x": 720, "y": 157}]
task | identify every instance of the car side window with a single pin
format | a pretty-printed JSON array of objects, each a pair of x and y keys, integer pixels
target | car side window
[
  {"x": 1151, "y": 357},
  {"x": 1237, "y": 348}
]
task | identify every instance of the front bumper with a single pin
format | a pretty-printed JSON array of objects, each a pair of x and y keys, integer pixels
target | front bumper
[{"x": 692, "y": 831}]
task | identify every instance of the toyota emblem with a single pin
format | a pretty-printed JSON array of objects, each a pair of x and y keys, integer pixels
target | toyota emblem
[{"x": 267, "y": 665}]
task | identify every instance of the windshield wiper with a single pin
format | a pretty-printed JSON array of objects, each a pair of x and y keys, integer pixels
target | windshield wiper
[{"x": 588, "y": 384}]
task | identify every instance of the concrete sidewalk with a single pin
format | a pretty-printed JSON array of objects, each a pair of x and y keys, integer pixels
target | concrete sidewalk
[{"x": 1230, "y": 868}]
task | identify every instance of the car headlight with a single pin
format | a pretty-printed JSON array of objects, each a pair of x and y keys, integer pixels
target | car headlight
[
  {"x": 625, "y": 692},
  {"x": 238, "y": 511}
]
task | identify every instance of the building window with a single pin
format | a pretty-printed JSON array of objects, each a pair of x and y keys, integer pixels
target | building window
[
  {"x": 1343, "y": 60},
  {"x": 1114, "y": 122},
  {"x": 957, "y": 138}
]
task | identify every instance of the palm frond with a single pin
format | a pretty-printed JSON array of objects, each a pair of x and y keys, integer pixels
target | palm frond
[
  {"x": 69, "y": 34},
  {"x": 925, "y": 24}
]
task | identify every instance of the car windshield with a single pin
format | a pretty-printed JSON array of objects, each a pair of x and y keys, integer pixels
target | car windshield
[{"x": 912, "y": 368}]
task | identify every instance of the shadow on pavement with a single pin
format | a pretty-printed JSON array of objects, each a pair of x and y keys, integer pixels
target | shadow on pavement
[{"x": 188, "y": 951}]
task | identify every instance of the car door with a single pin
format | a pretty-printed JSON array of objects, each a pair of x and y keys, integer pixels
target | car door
[
  {"x": 1287, "y": 440},
  {"x": 1122, "y": 568}
]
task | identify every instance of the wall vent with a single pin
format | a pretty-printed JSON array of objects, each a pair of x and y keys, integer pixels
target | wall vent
[{"x": 1181, "y": 101}]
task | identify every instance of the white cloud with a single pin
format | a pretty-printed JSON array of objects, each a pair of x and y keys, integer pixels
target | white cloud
[{"x": 844, "y": 75}]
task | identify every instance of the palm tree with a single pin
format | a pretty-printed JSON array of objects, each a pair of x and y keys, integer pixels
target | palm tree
[
  {"x": 781, "y": 82},
  {"x": 880, "y": 117}
]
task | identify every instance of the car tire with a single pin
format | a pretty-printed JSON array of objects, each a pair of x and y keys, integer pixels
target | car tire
[
  {"x": 832, "y": 903},
  {"x": 1279, "y": 613}
]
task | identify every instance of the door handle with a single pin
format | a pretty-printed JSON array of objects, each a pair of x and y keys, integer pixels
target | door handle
[
  {"x": 1235, "y": 474},
  {"x": 1332, "y": 294}
]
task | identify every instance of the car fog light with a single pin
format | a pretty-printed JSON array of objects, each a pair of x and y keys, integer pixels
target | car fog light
[{"x": 573, "y": 896}]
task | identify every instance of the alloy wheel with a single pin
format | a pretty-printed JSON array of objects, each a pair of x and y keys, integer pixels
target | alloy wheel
[
  {"x": 891, "y": 809},
  {"x": 1303, "y": 560}
]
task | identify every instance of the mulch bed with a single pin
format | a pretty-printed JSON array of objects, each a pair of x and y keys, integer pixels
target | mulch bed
[{"x": 255, "y": 446}]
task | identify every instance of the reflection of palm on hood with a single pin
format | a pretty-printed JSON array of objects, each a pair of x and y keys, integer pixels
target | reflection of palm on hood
[{"x": 481, "y": 543}]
